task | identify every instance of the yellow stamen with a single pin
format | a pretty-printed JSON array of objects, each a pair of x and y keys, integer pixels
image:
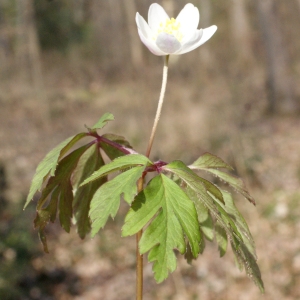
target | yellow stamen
[{"x": 171, "y": 26}]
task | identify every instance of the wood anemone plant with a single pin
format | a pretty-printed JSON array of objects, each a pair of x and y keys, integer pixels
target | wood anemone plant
[{"x": 176, "y": 209}]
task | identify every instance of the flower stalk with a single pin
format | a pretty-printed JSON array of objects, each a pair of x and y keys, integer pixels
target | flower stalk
[{"x": 160, "y": 103}]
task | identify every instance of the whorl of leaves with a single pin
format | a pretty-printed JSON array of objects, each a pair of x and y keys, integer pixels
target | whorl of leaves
[{"x": 177, "y": 209}]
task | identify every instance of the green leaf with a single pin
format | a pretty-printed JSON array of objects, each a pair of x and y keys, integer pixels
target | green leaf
[
  {"x": 188, "y": 255},
  {"x": 52, "y": 206},
  {"x": 43, "y": 239},
  {"x": 120, "y": 163},
  {"x": 231, "y": 227},
  {"x": 62, "y": 195},
  {"x": 63, "y": 173},
  {"x": 45, "y": 215},
  {"x": 239, "y": 221},
  {"x": 236, "y": 183},
  {"x": 248, "y": 261},
  {"x": 204, "y": 217},
  {"x": 211, "y": 163},
  {"x": 106, "y": 200},
  {"x": 212, "y": 189},
  {"x": 221, "y": 239},
  {"x": 90, "y": 161},
  {"x": 103, "y": 121},
  {"x": 180, "y": 169},
  {"x": 198, "y": 194},
  {"x": 208, "y": 160},
  {"x": 49, "y": 163},
  {"x": 175, "y": 216},
  {"x": 176, "y": 166},
  {"x": 65, "y": 205},
  {"x": 41, "y": 220}
]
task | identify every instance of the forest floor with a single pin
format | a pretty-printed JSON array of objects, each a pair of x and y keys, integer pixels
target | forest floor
[{"x": 263, "y": 149}]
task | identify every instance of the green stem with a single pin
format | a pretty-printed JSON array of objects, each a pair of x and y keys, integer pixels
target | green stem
[{"x": 139, "y": 257}]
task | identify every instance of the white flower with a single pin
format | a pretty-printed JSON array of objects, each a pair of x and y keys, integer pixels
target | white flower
[{"x": 164, "y": 36}]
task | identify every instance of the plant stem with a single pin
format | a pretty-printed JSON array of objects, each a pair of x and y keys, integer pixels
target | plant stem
[
  {"x": 159, "y": 107},
  {"x": 139, "y": 257}
]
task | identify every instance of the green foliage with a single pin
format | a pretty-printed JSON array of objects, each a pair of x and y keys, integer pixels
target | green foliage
[
  {"x": 62, "y": 176},
  {"x": 102, "y": 122},
  {"x": 62, "y": 195},
  {"x": 48, "y": 164},
  {"x": 106, "y": 201},
  {"x": 230, "y": 223},
  {"x": 175, "y": 217},
  {"x": 90, "y": 161},
  {"x": 212, "y": 163},
  {"x": 119, "y": 164},
  {"x": 177, "y": 209}
]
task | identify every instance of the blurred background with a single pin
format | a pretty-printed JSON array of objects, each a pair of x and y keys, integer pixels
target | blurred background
[{"x": 63, "y": 63}]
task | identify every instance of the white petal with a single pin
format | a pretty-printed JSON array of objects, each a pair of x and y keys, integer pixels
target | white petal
[
  {"x": 189, "y": 20},
  {"x": 150, "y": 44},
  {"x": 207, "y": 34},
  {"x": 190, "y": 44},
  {"x": 167, "y": 43},
  {"x": 201, "y": 36},
  {"x": 143, "y": 26},
  {"x": 156, "y": 15},
  {"x": 146, "y": 35}
]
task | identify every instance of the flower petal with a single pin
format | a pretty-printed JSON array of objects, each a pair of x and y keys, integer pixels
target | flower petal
[
  {"x": 178, "y": 40},
  {"x": 156, "y": 15},
  {"x": 189, "y": 19},
  {"x": 190, "y": 44},
  {"x": 207, "y": 34},
  {"x": 143, "y": 26},
  {"x": 146, "y": 35},
  {"x": 167, "y": 43},
  {"x": 201, "y": 36},
  {"x": 150, "y": 44}
]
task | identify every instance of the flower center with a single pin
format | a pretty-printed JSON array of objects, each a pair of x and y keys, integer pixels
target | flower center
[{"x": 171, "y": 27}]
